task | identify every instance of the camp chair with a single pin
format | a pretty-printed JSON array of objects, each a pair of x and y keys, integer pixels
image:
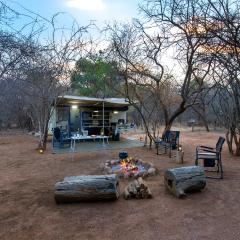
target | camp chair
[
  {"x": 170, "y": 141},
  {"x": 59, "y": 138},
  {"x": 211, "y": 157}
]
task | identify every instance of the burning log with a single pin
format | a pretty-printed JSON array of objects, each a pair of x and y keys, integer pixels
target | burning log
[
  {"x": 179, "y": 181},
  {"x": 87, "y": 188},
  {"x": 137, "y": 189}
]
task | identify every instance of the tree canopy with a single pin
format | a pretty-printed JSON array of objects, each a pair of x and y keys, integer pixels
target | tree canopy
[{"x": 95, "y": 77}]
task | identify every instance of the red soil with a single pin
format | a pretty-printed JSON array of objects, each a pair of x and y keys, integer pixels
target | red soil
[{"x": 28, "y": 210}]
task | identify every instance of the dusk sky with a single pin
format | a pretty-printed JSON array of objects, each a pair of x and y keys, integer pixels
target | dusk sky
[{"x": 83, "y": 10}]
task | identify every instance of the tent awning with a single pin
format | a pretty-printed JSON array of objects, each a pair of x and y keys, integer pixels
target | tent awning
[{"x": 92, "y": 102}]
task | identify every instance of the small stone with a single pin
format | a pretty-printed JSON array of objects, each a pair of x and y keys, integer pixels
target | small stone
[
  {"x": 107, "y": 169},
  {"x": 147, "y": 165},
  {"x": 114, "y": 162},
  {"x": 145, "y": 174},
  {"x": 151, "y": 165},
  {"x": 102, "y": 166},
  {"x": 151, "y": 171}
]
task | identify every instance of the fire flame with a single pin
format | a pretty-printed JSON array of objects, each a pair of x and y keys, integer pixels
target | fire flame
[{"x": 127, "y": 165}]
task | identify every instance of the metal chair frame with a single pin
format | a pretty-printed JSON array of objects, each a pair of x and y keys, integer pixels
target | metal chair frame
[
  {"x": 214, "y": 154},
  {"x": 169, "y": 141}
]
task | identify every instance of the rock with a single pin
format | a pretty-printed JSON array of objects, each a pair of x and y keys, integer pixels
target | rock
[
  {"x": 114, "y": 162},
  {"x": 151, "y": 171},
  {"x": 145, "y": 174},
  {"x": 107, "y": 169},
  {"x": 151, "y": 165},
  {"x": 102, "y": 166}
]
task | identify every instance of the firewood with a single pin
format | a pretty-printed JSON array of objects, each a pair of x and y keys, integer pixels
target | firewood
[
  {"x": 126, "y": 194},
  {"x": 137, "y": 189},
  {"x": 137, "y": 185},
  {"x": 143, "y": 193},
  {"x": 141, "y": 183},
  {"x": 131, "y": 189},
  {"x": 149, "y": 194}
]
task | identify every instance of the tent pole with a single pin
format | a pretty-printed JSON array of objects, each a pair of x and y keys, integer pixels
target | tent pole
[{"x": 103, "y": 124}]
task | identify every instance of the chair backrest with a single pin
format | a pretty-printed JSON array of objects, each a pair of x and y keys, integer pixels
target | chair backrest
[
  {"x": 219, "y": 144},
  {"x": 166, "y": 135},
  {"x": 174, "y": 135},
  {"x": 171, "y": 136},
  {"x": 57, "y": 133}
]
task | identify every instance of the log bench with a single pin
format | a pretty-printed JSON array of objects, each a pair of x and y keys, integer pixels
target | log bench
[
  {"x": 87, "y": 188},
  {"x": 180, "y": 181}
]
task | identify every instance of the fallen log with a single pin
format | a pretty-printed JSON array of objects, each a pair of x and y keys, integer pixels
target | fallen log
[
  {"x": 180, "y": 181},
  {"x": 87, "y": 188}
]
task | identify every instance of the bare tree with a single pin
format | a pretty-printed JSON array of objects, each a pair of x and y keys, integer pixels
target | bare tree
[
  {"x": 35, "y": 62},
  {"x": 141, "y": 48},
  {"x": 48, "y": 74},
  {"x": 224, "y": 17}
]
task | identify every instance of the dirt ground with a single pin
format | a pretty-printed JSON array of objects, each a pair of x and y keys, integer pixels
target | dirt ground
[{"x": 28, "y": 210}]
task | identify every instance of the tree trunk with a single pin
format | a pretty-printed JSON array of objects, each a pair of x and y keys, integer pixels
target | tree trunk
[
  {"x": 180, "y": 181},
  {"x": 44, "y": 136},
  {"x": 169, "y": 121},
  {"x": 168, "y": 126},
  {"x": 203, "y": 117},
  {"x": 229, "y": 139},
  {"x": 237, "y": 152},
  {"x": 87, "y": 188},
  {"x": 237, "y": 144}
]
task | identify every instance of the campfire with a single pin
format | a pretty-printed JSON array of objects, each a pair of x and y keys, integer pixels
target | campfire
[{"x": 129, "y": 167}]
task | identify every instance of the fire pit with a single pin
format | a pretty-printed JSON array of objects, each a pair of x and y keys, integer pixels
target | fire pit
[{"x": 129, "y": 167}]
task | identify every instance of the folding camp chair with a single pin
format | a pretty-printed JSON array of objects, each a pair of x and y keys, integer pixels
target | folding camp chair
[
  {"x": 60, "y": 139},
  {"x": 211, "y": 157},
  {"x": 170, "y": 141}
]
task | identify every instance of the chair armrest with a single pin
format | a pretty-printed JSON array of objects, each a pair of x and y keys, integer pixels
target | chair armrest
[
  {"x": 206, "y": 147},
  {"x": 159, "y": 140},
  {"x": 210, "y": 151},
  {"x": 199, "y": 148}
]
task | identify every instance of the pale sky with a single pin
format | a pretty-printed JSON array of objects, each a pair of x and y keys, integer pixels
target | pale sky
[{"x": 83, "y": 10}]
